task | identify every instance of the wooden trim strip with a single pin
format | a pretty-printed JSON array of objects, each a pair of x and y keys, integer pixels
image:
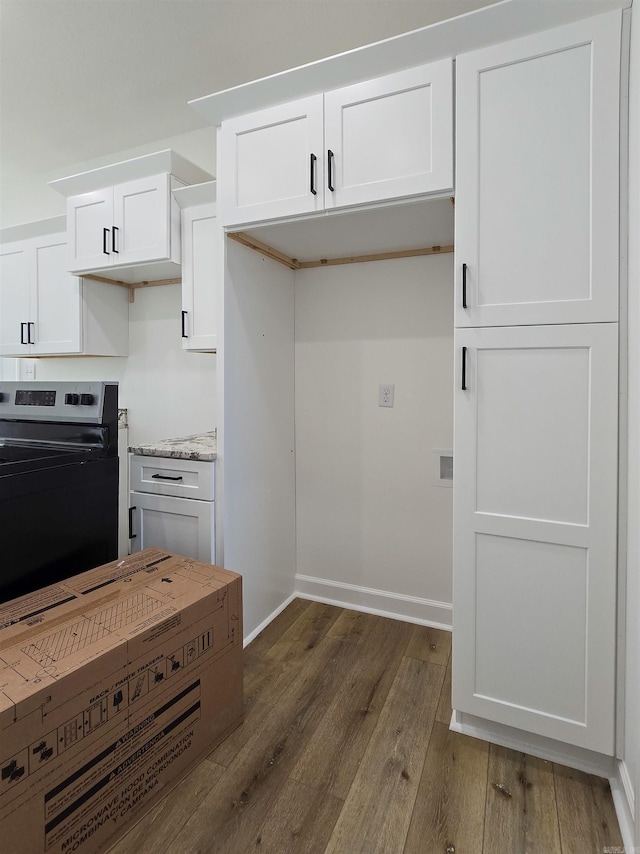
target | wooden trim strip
[
  {"x": 380, "y": 256},
  {"x": 264, "y": 249},
  {"x": 155, "y": 283},
  {"x": 105, "y": 280},
  {"x": 130, "y": 285},
  {"x": 294, "y": 264}
]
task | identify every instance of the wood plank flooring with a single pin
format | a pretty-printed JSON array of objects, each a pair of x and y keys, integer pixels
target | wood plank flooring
[{"x": 346, "y": 749}]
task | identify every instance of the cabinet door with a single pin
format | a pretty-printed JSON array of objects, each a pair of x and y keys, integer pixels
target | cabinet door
[
  {"x": 391, "y": 137},
  {"x": 537, "y": 178},
  {"x": 274, "y": 163},
  {"x": 141, "y": 220},
  {"x": 175, "y": 524},
  {"x": 14, "y": 299},
  {"x": 56, "y": 300},
  {"x": 535, "y": 530},
  {"x": 200, "y": 243},
  {"x": 89, "y": 221}
]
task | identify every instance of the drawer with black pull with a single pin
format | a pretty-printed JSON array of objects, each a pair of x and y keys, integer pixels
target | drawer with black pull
[{"x": 169, "y": 476}]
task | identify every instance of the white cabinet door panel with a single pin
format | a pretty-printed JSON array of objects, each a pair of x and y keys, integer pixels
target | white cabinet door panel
[
  {"x": 391, "y": 137},
  {"x": 89, "y": 221},
  {"x": 535, "y": 529},
  {"x": 175, "y": 524},
  {"x": 200, "y": 248},
  {"x": 537, "y": 178},
  {"x": 56, "y": 302},
  {"x": 268, "y": 157},
  {"x": 14, "y": 298},
  {"x": 141, "y": 220},
  {"x": 536, "y": 593},
  {"x": 550, "y": 387}
]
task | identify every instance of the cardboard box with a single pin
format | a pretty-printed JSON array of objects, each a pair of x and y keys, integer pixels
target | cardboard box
[{"x": 113, "y": 684}]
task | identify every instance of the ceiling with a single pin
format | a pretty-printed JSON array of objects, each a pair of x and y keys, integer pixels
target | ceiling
[{"x": 83, "y": 79}]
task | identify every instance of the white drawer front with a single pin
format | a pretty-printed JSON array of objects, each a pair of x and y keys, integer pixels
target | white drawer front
[{"x": 168, "y": 476}]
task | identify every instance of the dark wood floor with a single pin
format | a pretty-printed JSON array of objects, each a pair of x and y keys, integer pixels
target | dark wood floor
[{"x": 346, "y": 748}]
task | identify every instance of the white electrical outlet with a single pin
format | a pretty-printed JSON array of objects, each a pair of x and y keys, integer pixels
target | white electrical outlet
[
  {"x": 385, "y": 394},
  {"x": 29, "y": 370}
]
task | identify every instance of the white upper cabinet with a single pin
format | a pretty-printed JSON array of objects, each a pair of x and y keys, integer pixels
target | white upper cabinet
[
  {"x": 383, "y": 139},
  {"x": 46, "y": 311},
  {"x": 537, "y": 146},
  {"x": 122, "y": 225},
  {"x": 122, "y": 220},
  {"x": 201, "y": 267}
]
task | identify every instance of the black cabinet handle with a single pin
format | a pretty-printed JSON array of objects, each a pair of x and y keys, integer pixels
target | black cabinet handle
[
  {"x": 312, "y": 175},
  {"x": 29, "y": 325},
  {"x": 330, "y": 170},
  {"x": 165, "y": 477},
  {"x": 464, "y": 285},
  {"x": 184, "y": 324},
  {"x": 114, "y": 232},
  {"x": 22, "y": 326},
  {"x": 464, "y": 369},
  {"x": 105, "y": 237},
  {"x": 132, "y": 536}
]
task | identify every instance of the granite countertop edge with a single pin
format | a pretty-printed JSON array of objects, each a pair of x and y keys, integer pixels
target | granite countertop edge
[{"x": 202, "y": 446}]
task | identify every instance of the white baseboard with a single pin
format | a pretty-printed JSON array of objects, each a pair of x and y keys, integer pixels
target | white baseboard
[
  {"x": 411, "y": 609},
  {"x": 624, "y": 802},
  {"x": 263, "y": 625},
  {"x": 536, "y": 745}
]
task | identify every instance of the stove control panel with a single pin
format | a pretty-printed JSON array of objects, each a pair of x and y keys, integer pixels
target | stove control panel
[{"x": 82, "y": 402}]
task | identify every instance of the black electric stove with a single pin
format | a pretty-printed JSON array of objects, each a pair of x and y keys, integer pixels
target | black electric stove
[{"x": 58, "y": 481}]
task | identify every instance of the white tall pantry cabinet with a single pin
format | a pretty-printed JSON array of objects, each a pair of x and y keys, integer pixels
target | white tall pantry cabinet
[{"x": 535, "y": 516}]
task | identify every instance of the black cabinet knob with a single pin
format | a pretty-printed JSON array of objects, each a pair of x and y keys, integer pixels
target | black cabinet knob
[
  {"x": 71, "y": 399},
  {"x": 86, "y": 399}
]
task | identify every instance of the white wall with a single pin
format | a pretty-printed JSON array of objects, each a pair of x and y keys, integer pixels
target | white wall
[
  {"x": 31, "y": 198},
  {"x": 632, "y": 693},
  {"x": 8, "y": 369},
  {"x": 368, "y": 514}
]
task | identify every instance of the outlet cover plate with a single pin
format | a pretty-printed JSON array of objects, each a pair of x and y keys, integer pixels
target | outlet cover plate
[{"x": 386, "y": 394}]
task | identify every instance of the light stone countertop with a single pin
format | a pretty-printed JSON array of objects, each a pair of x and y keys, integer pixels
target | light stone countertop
[{"x": 202, "y": 446}]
